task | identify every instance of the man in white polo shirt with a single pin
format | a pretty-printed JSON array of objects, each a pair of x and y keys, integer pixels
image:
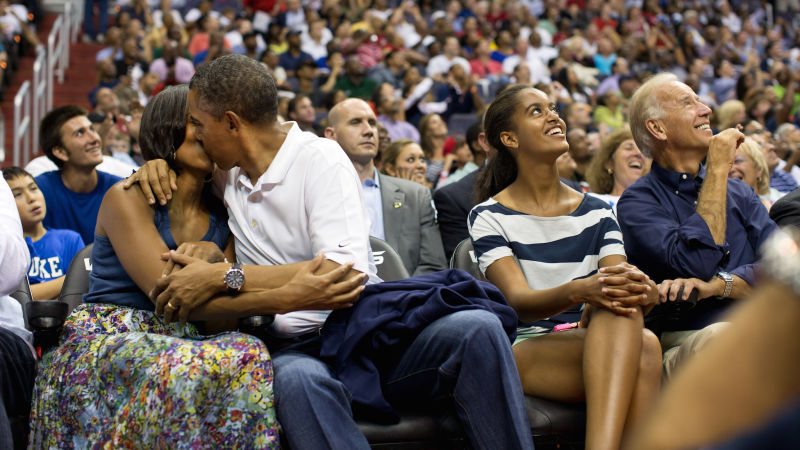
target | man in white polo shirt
[{"x": 291, "y": 195}]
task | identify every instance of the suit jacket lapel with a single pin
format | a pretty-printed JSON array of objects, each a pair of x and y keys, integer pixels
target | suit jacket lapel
[{"x": 393, "y": 200}]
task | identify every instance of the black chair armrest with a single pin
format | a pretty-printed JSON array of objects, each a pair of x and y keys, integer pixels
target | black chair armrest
[{"x": 46, "y": 314}]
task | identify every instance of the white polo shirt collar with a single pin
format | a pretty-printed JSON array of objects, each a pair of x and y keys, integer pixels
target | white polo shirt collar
[{"x": 279, "y": 167}]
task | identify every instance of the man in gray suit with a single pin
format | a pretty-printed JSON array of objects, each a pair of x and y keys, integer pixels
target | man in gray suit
[{"x": 401, "y": 211}]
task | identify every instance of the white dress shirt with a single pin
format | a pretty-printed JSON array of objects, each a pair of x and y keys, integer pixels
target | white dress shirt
[
  {"x": 308, "y": 201},
  {"x": 14, "y": 259},
  {"x": 372, "y": 197}
]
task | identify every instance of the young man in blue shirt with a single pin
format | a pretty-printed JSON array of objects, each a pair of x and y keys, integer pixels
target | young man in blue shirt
[
  {"x": 74, "y": 192},
  {"x": 685, "y": 223}
]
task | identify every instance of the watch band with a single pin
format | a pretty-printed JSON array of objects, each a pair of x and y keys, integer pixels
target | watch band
[
  {"x": 780, "y": 258},
  {"x": 234, "y": 277},
  {"x": 728, "y": 279}
]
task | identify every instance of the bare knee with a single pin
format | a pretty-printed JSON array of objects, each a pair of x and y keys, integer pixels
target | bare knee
[{"x": 650, "y": 362}]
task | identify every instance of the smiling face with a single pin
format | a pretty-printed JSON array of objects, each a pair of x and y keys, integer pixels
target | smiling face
[
  {"x": 627, "y": 164},
  {"x": 744, "y": 169},
  {"x": 410, "y": 160},
  {"x": 30, "y": 201},
  {"x": 80, "y": 144},
  {"x": 539, "y": 129},
  {"x": 686, "y": 123}
]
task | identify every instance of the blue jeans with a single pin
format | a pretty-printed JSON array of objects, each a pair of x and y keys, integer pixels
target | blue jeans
[
  {"x": 88, "y": 17},
  {"x": 466, "y": 353}
]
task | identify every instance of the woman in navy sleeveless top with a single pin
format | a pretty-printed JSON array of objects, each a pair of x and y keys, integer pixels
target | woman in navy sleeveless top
[{"x": 123, "y": 376}]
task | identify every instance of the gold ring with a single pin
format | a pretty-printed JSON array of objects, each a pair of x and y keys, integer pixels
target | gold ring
[{"x": 169, "y": 303}]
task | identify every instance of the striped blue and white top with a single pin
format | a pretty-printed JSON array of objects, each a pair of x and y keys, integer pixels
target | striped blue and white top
[{"x": 550, "y": 251}]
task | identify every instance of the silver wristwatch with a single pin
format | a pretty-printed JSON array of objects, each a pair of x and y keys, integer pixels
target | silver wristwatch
[
  {"x": 728, "y": 279},
  {"x": 780, "y": 258},
  {"x": 234, "y": 277}
]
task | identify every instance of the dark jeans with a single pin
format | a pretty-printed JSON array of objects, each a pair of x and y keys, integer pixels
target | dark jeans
[
  {"x": 17, "y": 374},
  {"x": 466, "y": 353}
]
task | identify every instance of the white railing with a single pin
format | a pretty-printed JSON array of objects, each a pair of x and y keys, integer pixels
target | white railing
[
  {"x": 50, "y": 63},
  {"x": 77, "y": 20},
  {"x": 22, "y": 123},
  {"x": 66, "y": 34},
  {"x": 55, "y": 48},
  {"x": 39, "y": 92},
  {"x": 2, "y": 137}
]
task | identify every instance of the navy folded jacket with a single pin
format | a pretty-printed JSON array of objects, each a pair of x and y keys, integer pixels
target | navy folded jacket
[{"x": 360, "y": 342}]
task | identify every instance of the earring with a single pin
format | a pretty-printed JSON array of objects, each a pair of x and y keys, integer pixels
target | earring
[{"x": 610, "y": 172}]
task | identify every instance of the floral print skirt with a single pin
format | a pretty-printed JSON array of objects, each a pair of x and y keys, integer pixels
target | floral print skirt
[{"x": 122, "y": 378}]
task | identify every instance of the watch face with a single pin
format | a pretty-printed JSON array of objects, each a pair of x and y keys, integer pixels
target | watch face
[{"x": 234, "y": 279}]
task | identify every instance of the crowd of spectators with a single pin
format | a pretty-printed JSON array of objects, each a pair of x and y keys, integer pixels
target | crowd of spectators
[{"x": 428, "y": 69}]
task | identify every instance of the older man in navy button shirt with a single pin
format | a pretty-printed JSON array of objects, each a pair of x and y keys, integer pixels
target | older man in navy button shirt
[{"x": 686, "y": 224}]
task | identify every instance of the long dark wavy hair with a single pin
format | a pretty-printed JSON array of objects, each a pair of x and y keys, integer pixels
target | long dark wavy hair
[{"x": 501, "y": 170}]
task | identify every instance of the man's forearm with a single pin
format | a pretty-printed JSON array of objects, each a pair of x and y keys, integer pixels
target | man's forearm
[
  {"x": 740, "y": 289},
  {"x": 253, "y": 303},
  {"x": 712, "y": 203}
]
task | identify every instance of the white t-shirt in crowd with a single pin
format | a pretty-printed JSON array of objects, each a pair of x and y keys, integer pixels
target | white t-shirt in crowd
[{"x": 114, "y": 166}]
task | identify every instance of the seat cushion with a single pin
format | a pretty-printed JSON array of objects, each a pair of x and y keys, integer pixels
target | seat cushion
[{"x": 549, "y": 417}]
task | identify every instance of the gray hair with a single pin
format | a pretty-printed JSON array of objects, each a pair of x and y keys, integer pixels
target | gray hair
[
  {"x": 645, "y": 106},
  {"x": 784, "y": 130}
]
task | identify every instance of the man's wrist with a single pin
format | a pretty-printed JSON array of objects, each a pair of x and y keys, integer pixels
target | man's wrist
[{"x": 220, "y": 269}]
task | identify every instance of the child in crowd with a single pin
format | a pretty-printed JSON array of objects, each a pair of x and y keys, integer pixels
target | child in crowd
[{"x": 51, "y": 250}]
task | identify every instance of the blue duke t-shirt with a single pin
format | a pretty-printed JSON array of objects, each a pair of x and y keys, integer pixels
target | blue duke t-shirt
[
  {"x": 51, "y": 255},
  {"x": 72, "y": 210}
]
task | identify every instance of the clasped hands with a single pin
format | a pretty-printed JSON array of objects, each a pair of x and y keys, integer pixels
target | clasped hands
[
  {"x": 194, "y": 275},
  {"x": 621, "y": 289}
]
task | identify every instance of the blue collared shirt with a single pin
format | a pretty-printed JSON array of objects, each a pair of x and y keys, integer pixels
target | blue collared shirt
[
  {"x": 666, "y": 238},
  {"x": 372, "y": 197}
]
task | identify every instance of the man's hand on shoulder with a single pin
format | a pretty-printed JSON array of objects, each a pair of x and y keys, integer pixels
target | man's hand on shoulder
[{"x": 155, "y": 179}]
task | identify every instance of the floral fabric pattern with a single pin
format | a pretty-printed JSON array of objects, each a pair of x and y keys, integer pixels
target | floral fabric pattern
[{"x": 122, "y": 378}]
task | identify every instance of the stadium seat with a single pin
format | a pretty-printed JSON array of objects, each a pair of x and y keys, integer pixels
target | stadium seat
[
  {"x": 458, "y": 124},
  {"x": 387, "y": 261},
  {"x": 551, "y": 422},
  {"x": 77, "y": 281},
  {"x": 417, "y": 429},
  {"x": 43, "y": 317}
]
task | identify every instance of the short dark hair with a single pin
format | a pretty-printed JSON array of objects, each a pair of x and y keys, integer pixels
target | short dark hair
[
  {"x": 50, "y": 129},
  {"x": 292, "y": 107},
  {"x": 163, "y": 127},
  {"x": 330, "y": 98},
  {"x": 239, "y": 84},
  {"x": 14, "y": 172},
  {"x": 473, "y": 132}
]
